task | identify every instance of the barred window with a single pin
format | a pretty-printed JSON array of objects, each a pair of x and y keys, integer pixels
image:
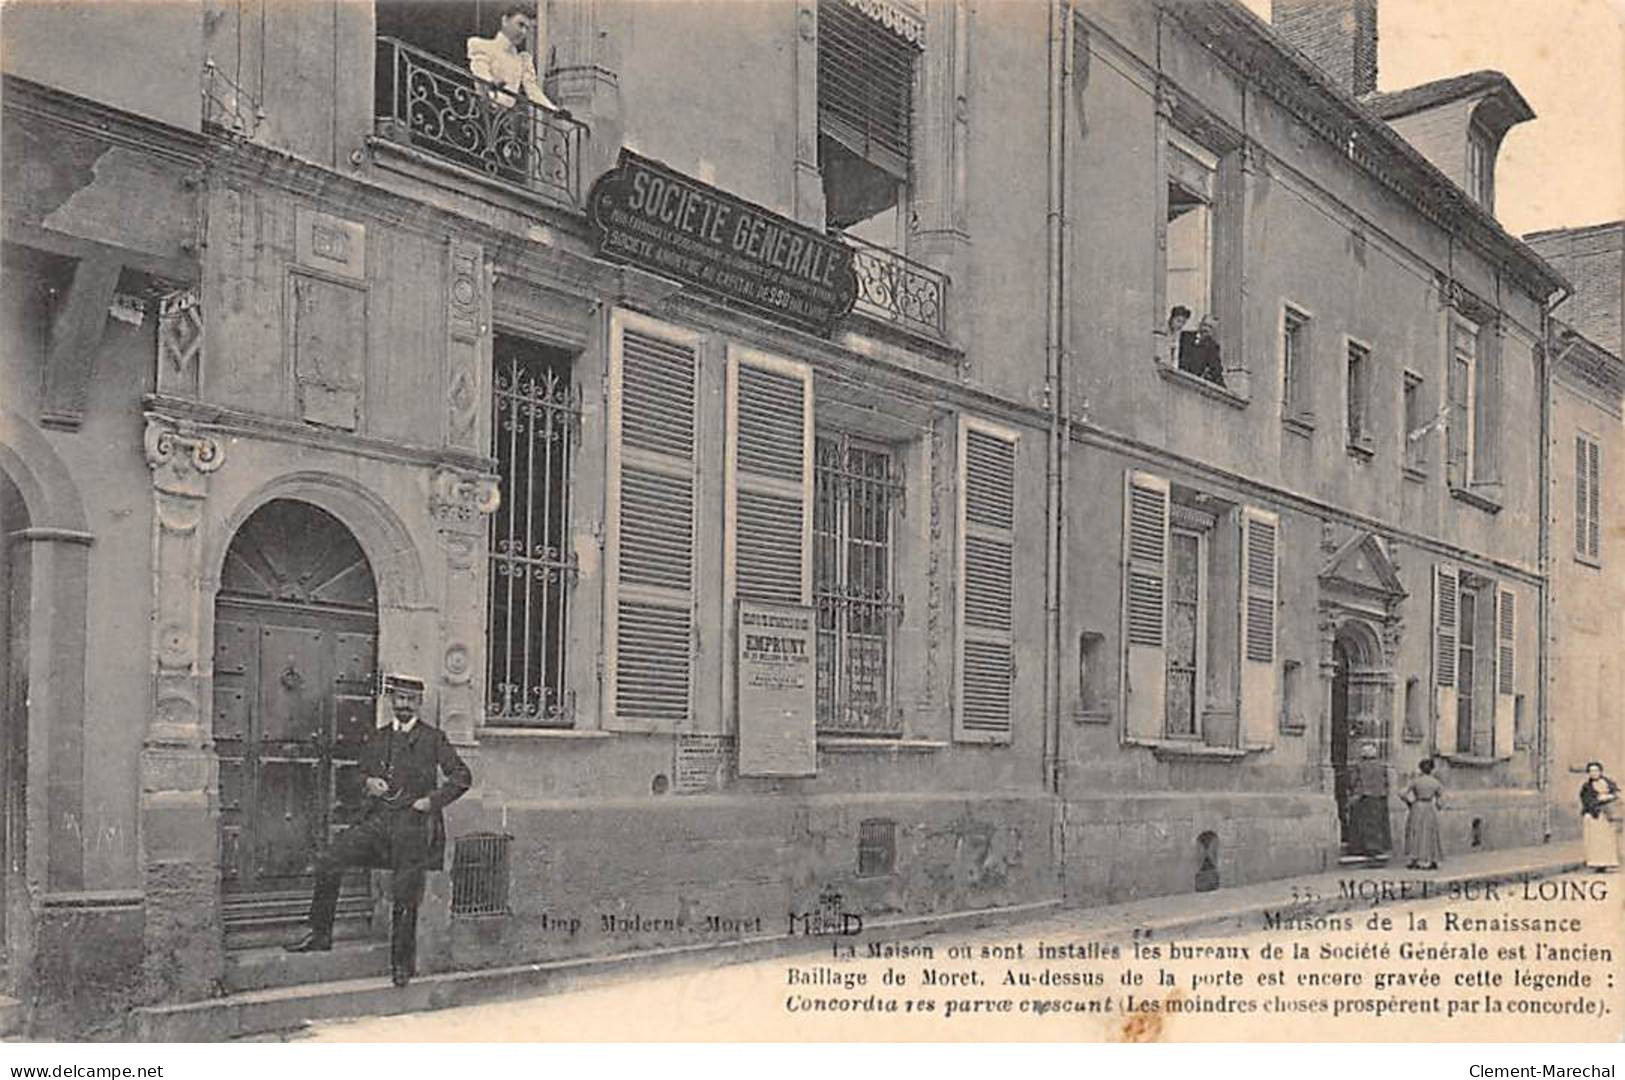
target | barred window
[
  {"x": 856, "y": 495},
  {"x": 532, "y": 567}
]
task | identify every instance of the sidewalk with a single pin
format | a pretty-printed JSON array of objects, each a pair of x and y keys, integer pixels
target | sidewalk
[{"x": 1215, "y": 913}]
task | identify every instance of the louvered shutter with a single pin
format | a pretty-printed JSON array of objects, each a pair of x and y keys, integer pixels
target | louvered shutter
[
  {"x": 1445, "y": 601},
  {"x": 986, "y": 668},
  {"x": 1582, "y": 498},
  {"x": 1506, "y": 683},
  {"x": 1260, "y": 674},
  {"x": 1145, "y": 568},
  {"x": 865, "y": 87},
  {"x": 770, "y": 478},
  {"x": 1594, "y": 499},
  {"x": 650, "y": 524}
]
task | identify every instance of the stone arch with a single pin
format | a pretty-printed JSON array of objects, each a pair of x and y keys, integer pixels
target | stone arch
[
  {"x": 397, "y": 564},
  {"x": 1362, "y": 645},
  {"x": 41, "y": 477},
  {"x": 45, "y": 550}
]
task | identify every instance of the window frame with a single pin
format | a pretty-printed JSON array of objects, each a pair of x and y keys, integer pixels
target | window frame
[
  {"x": 1413, "y": 456},
  {"x": 895, "y": 482},
  {"x": 564, "y": 399},
  {"x": 1183, "y": 145},
  {"x": 1587, "y": 491},
  {"x": 1296, "y": 364},
  {"x": 1462, "y": 327},
  {"x": 1204, "y": 598},
  {"x": 1358, "y": 356}
]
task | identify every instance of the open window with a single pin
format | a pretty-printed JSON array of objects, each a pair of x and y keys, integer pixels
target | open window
[
  {"x": 866, "y": 78},
  {"x": 451, "y": 81}
]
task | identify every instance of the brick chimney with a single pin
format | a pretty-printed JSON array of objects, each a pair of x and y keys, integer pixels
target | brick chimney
[{"x": 1340, "y": 36}]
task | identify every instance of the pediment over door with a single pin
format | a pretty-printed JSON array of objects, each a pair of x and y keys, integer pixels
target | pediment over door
[{"x": 1362, "y": 568}]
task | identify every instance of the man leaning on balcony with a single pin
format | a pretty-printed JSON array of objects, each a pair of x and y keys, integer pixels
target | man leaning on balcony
[{"x": 504, "y": 60}]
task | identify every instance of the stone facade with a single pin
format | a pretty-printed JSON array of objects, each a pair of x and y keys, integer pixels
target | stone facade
[{"x": 325, "y": 306}]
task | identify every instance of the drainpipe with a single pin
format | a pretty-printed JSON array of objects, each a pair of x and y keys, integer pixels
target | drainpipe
[
  {"x": 1060, "y": 76},
  {"x": 1543, "y": 737}
]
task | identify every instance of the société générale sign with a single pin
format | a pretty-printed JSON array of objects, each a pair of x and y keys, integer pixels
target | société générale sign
[{"x": 655, "y": 218}]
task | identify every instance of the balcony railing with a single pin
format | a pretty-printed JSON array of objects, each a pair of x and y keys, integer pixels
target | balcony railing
[
  {"x": 898, "y": 290},
  {"x": 437, "y": 107}
]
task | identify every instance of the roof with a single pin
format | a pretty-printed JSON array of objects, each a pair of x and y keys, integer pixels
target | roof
[
  {"x": 1397, "y": 103},
  {"x": 1253, "y": 46}
]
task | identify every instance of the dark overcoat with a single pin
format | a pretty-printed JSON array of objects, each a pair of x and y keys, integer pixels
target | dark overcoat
[{"x": 410, "y": 763}]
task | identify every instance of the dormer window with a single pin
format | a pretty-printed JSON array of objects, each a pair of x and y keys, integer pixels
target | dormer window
[{"x": 1481, "y": 167}]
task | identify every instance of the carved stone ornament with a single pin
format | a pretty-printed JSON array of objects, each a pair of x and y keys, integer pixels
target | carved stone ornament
[
  {"x": 462, "y": 497},
  {"x": 180, "y": 455}
]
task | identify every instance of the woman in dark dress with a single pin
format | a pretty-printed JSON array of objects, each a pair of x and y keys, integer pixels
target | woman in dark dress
[{"x": 1368, "y": 805}]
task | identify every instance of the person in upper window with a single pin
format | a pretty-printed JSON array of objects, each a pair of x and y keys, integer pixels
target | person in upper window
[
  {"x": 1178, "y": 316},
  {"x": 505, "y": 61},
  {"x": 1199, "y": 351}
]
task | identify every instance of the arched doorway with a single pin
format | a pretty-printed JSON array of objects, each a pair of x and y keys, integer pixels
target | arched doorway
[
  {"x": 296, "y": 636},
  {"x": 1360, "y": 712}
]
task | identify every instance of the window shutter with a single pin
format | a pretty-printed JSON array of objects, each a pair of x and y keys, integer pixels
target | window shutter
[
  {"x": 865, "y": 87},
  {"x": 1582, "y": 498},
  {"x": 1145, "y": 567},
  {"x": 1506, "y": 684},
  {"x": 1458, "y": 431},
  {"x": 1445, "y": 602},
  {"x": 770, "y": 477},
  {"x": 1594, "y": 500},
  {"x": 1260, "y": 682},
  {"x": 650, "y": 524},
  {"x": 987, "y": 666}
]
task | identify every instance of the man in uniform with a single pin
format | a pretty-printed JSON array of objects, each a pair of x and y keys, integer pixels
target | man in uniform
[{"x": 401, "y": 828}]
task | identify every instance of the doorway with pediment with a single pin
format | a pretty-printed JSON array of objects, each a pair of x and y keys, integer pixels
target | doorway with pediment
[{"x": 1361, "y": 631}]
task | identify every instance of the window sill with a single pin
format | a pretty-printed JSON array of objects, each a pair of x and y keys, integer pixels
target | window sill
[
  {"x": 1475, "y": 499},
  {"x": 1302, "y": 424},
  {"x": 1167, "y": 749},
  {"x": 854, "y": 744},
  {"x": 1093, "y": 716},
  {"x": 1473, "y": 761},
  {"x": 541, "y": 733},
  {"x": 1200, "y": 385},
  {"x": 1588, "y": 561},
  {"x": 1411, "y": 736},
  {"x": 1361, "y": 451},
  {"x": 1295, "y": 726},
  {"x": 1415, "y": 473}
]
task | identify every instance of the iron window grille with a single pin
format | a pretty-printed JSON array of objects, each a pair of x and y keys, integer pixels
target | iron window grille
[
  {"x": 877, "y": 847},
  {"x": 479, "y": 874},
  {"x": 533, "y": 568},
  {"x": 857, "y": 496}
]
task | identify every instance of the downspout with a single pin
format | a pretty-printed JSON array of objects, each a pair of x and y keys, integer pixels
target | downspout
[
  {"x": 1060, "y": 74},
  {"x": 1543, "y": 737}
]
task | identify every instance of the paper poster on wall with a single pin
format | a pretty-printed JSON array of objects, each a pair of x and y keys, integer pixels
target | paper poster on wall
[{"x": 777, "y": 688}]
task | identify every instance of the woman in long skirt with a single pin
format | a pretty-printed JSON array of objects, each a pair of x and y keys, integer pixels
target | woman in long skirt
[
  {"x": 1422, "y": 845},
  {"x": 1368, "y": 809},
  {"x": 1599, "y": 808}
]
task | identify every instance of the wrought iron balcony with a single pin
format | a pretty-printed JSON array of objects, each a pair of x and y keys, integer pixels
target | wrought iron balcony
[
  {"x": 442, "y": 109},
  {"x": 898, "y": 290}
]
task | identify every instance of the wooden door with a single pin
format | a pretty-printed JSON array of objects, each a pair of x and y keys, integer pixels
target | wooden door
[{"x": 294, "y": 674}]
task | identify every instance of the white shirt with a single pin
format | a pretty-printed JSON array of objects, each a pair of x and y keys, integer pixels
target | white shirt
[
  {"x": 495, "y": 59},
  {"x": 397, "y": 725}
]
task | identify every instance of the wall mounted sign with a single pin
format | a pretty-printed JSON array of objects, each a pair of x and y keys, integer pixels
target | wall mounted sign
[
  {"x": 777, "y": 689},
  {"x": 652, "y": 217}
]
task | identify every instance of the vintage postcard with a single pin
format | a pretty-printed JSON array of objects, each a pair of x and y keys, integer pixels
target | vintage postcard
[{"x": 812, "y": 521}]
